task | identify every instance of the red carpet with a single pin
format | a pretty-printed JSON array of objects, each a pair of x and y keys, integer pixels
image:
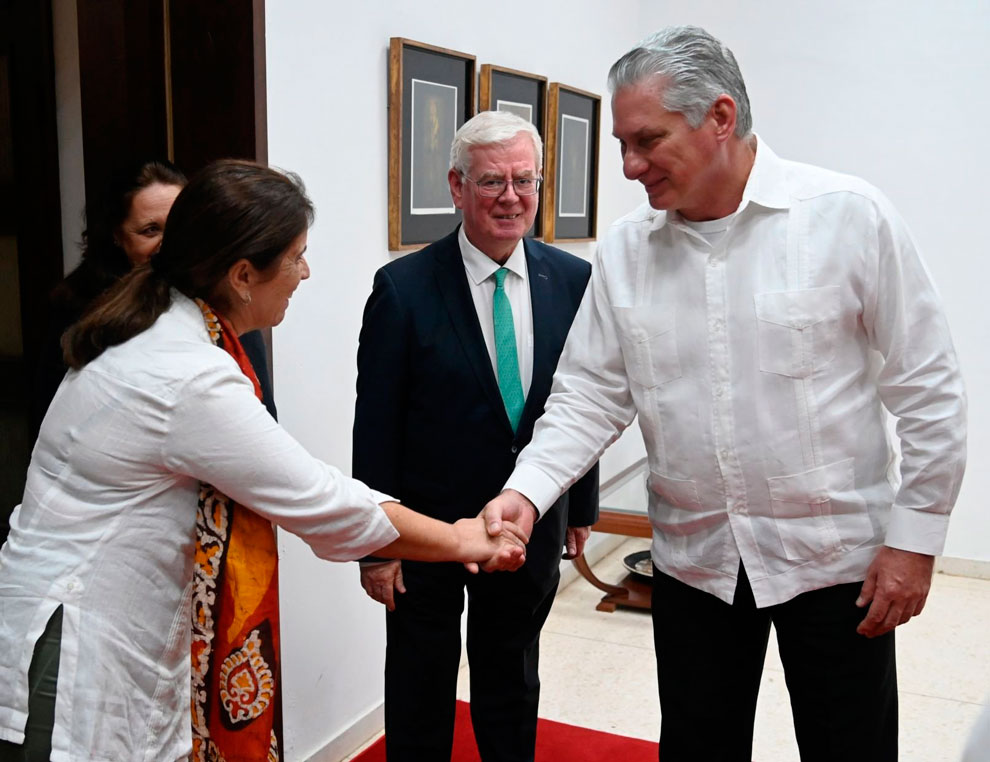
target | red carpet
[{"x": 555, "y": 741}]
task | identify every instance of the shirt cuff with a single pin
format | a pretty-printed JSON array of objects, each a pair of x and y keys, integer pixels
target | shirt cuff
[
  {"x": 917, "y": 531},
  {"x": 381, "y": 497},
  {"x": 364, "y": 563},
  {"x": 539, "y": 488}
]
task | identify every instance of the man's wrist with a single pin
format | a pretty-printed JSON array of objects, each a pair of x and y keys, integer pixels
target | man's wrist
[{"x": 535, "y": 486}]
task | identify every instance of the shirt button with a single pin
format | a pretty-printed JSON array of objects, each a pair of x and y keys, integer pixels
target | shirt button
[
  {"x": 718, "y": 391},
  {"x": 514, "y": 449},
  {"x": 724, "y": 453}
]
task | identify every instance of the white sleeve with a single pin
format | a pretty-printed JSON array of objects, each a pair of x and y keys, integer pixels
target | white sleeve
[
  {"x": 220, "y": 433},
  {"x": 920, "y": 384},
  {"x": 589, "y": 405}
]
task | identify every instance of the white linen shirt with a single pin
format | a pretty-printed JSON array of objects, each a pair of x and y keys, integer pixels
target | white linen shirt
[
  {"x": 107, "y": 530},
  {"x": 760, "y": 368},
  {"x": 480, "y": 269}
]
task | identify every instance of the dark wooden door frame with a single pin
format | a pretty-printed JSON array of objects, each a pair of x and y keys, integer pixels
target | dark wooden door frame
[
  {"x": 182, "y": 79},
  {"x": 36, "y": 204},
  {"x": 29, "y": 197}
]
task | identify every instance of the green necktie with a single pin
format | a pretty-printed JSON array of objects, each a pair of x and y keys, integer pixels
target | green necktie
[{"x": 505, "y": 352}]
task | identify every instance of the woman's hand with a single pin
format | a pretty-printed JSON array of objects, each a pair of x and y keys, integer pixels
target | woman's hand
[{"x": 504, "y": 552}]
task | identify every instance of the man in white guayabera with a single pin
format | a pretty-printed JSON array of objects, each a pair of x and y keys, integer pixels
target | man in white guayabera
[{"x": 758, "y": 315}]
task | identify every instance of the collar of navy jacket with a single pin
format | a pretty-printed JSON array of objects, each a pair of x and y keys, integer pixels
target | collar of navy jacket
[{"x": 452, "y": 282}]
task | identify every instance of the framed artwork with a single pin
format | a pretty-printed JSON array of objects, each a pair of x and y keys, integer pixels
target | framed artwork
[
  {"x": 430, "y": 95},
  {"x": 570, "y": 211},
  {"x": 523, "y": 94}
]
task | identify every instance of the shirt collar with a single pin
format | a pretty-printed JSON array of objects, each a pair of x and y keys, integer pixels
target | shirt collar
[
  {"x": 480, "y": 267},
  {"x": 766, "y": 186},
  {"x": 767, "y": 183},
  {"x": 188, "y": 313}
]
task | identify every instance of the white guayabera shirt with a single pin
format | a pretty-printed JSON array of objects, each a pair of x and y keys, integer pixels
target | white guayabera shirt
[
  {"x": 107, "y": 528},
  {"x": 759, "y": 361}
]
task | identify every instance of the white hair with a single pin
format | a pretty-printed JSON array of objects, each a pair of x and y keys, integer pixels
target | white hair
[
  {"x": 697, "y": 69},
  {"x": 491, "y": 128}
]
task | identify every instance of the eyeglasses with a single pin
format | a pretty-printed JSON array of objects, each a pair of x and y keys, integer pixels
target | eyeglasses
[{"x": 493, "y": 188}]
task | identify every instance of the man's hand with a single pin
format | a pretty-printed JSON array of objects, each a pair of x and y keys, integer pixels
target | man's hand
[
  {"x": 576, "y": 538},
  {"x": 382, "y": 581},
  {"x": 897, "y": 583},
  {"x": 509, "y": 506},
  {"x": 512, "y": 506}
]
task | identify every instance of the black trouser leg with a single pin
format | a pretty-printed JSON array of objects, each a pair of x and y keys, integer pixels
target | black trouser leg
[
  {"x": 42, "y": 682},
  {"x": 421, "y": 662},
  {"x": 843, "y": 686},
  {"x": 503, "y": 641},
  {"x": 709, "y": 664}
]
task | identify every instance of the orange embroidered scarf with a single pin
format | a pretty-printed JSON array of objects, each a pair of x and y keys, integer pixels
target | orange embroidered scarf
[{"x": 236, "y": 682}]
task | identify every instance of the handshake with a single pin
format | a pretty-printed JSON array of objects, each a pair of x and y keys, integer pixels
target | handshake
[{"x": 494, "y": 540}]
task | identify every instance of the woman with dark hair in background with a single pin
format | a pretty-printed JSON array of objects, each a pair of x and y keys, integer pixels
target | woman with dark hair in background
[
  {"x": 159, "y": 421},
  {"x": 123, "y": 230}
]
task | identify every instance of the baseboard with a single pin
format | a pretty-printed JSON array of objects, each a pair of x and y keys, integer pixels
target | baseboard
[
  {"x": 354, "y": 739},
  {"x": 962, "y": 567}
]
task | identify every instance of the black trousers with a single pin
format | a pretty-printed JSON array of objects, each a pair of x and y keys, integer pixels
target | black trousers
[
  {"x": 842, "y": 686},
  {"x": 42, "y": 681},
  {"x": 505, "y": 614}
]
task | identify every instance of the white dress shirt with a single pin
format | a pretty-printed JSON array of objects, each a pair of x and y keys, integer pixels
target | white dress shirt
[
  {"x": 760, "y": 368},
  {"x": 107, "y": 530},
  {"x": 481, "y": 281}
]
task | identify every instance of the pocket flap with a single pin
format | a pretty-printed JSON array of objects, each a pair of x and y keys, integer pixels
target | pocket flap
[
  {"x": 682, "y": 493},
  {"x": 643, "y": 323},
  {"x": 818, "y": 485},
  {"x": 798, "y": 309}
]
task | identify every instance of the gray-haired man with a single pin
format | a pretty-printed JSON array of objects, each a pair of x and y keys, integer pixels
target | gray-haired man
[
  {"x": 759, "y": 315},
  {"x": 458, "y": 349}
]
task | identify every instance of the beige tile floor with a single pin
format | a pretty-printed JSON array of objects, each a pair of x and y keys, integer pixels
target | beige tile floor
[{"x": 598, "y": 670}]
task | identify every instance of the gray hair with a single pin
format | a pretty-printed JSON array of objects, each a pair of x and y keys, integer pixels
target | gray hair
[
  {"x": 697, "y": 69},
  {"x": 491, "y": 128}
]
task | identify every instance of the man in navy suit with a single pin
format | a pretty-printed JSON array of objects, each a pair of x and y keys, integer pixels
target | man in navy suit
[{"x": 457, "y": 351}]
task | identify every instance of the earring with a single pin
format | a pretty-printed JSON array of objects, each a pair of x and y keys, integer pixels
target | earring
[{"x": 246, "y": 297}]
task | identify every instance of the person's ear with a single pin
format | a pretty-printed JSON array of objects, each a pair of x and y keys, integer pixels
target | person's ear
[
  {"x": 241, "y": 277},
  {"x": 456, "y": 183},
  {"x": 723, "y": 114}
]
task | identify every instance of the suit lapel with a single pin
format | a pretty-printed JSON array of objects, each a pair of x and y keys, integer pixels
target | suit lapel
[
  {"x": 452, "y": 282},
  {"x": 541, "y": 295}
]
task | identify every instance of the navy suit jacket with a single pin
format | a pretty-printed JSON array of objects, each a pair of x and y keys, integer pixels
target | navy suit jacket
[{"x": 430, "y": 427}]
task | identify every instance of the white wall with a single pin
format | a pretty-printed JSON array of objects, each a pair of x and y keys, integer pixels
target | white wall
[
  {"x": 68, "y": 116},
  {"x": 327, "y": 89},
  {"x": 893, "y": 92}
]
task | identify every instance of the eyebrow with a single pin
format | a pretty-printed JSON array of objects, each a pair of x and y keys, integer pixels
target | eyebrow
[{"x": 525, "y": 175}]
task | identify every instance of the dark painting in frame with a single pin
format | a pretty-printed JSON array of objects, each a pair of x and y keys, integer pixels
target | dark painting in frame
[
  {"x": 523, "y": 94},
  {"x": 570, "y": 211},
  {"x": 430, "y": 95}
]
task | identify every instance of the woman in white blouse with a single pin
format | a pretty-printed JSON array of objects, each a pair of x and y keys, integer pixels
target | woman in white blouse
[{"x": 156, "y": 420}]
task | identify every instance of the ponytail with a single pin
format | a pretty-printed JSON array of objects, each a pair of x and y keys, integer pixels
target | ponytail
[{"x": 131, "y": 306}]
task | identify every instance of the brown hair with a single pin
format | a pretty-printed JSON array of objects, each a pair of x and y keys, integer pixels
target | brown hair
[
  {"x": 103, "y": 261},
  {"x": 230, "y": 210}
]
